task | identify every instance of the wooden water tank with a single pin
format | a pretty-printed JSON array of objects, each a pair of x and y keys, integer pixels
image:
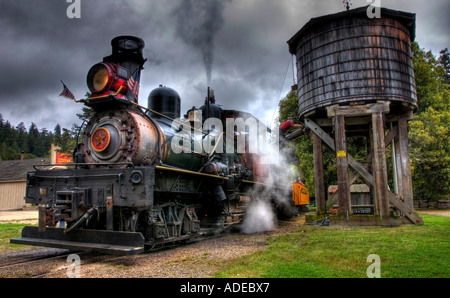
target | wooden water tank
[{"x": 348, "y": 57}]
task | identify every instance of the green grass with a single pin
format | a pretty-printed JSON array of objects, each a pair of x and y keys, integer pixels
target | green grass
[
  {"x": 337, "y": 251},
  {"x": 8, "y": 231},
  {"x": 334, "y": 251}
]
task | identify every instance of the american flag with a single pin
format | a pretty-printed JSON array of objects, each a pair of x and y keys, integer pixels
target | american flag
[
  {"x": 66, "y": 92},
  {"x": 133, "y": 86}
]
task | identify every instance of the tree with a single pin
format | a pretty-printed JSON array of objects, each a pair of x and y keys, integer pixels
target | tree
[
  {"x": 33, "y": 136},
  {"x": 429, "y": 130},
  {"x": 8, "y": 141},
  {"x": 430, "y": 83},
  {"x": 430, "y": 158},
  {"x": 444, "y": 61},
  {"x": 22, "y": 139},
  {"x": 57, "y": 135},
  {"x": 33, "y": 143}
]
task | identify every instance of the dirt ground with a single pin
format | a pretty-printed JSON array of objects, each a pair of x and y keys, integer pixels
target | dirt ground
[
  {"x": 28, "y": 216},
  {"x": 445, "y": 213}
]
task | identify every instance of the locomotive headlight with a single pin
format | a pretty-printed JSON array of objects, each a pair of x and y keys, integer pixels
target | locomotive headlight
[
  {"x": 103, "y": 77},
  {"x": 100, "y": 77}
]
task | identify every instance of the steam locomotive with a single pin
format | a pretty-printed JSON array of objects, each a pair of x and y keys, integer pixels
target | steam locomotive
[{"x": 143, "y": 177}]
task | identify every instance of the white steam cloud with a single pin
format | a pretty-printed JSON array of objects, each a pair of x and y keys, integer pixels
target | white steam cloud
[
  {"x": 260, "y": 218},
  {"x": 261, "y": 215}
]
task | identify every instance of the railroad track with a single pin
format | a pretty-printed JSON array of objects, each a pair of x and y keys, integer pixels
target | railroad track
[
  {"x": 45, "y": 262},
  {"x": 195, "y": 259},
  {"x": 30, "y": 256}
]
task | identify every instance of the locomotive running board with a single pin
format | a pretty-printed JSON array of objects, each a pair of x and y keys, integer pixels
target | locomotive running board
[{"x": 110, "y": 242}]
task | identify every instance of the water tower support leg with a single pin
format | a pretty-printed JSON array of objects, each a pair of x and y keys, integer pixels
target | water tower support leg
[
  {"x": 404, "y": 166},
  {"x": 342, "y": 166},
  {"x": 379, "y": 164},
  {"x": 318, "y": 174}
]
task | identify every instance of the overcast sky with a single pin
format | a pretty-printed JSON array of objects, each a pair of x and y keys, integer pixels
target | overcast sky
[{"x": 250, "y": 67}]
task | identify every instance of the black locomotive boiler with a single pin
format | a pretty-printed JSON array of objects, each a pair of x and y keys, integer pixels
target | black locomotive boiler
[{"x": 129, "y": 189}]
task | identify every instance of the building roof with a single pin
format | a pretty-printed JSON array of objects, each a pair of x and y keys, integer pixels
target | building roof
[
  {"x": 12, "y": 170},
  {"x": 406, "y": 18}
]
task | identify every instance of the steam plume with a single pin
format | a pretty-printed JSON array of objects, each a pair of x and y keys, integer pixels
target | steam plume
[
  {"x": 198, "y": 21},
  {"x": 260, "y": 215},
  {"x": 259, "y": 218}
]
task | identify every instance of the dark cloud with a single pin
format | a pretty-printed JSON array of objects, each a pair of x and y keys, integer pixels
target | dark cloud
[{"x": 242, "y": 44}]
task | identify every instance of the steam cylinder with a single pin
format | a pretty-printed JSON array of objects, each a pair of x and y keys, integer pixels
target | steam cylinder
[{"x": 348, "y": 57}]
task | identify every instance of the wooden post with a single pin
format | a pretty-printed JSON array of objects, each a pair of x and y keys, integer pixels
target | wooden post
[
  {"x": 398, "y": 163},
  {"x": 42, "y": 211},
  {"x": 318, "y": 174},
  {"x": 342, "y": 166},
  {"x": 379, "y": 165},
  {"x": 405, "y": 167}
]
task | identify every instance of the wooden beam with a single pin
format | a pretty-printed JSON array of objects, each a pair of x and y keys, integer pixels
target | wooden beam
[
  {"x": 295, "y": 134},
  {"x": 355, "y": 165},
  {"x": 358, "y": 110},
  {"x": 390, "y": 136},
  {"x": 405, "y": 209},
  {"x": 364, "y": 174},
  {"x": 326, "y": 122},
  {"x": 396, "y": 117},
  {"x": 398, "y": 164},
  {"x": 379, "y": 164},
  {"x": 405, "y": 169},
  {"x": 320, "y": 133},
  {"x": 332, "y": 199},
  {"x": 318, "y": 174},
  {"x": 342, "y": 166}
]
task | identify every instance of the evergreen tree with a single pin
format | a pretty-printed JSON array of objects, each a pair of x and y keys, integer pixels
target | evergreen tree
[
  {"x": 444, "y": 61},
  {"x": 57, "y": 135},
  {"x": 33, "y": 143},
  {"x": 33, "y": 136},
  {"x": 22, "y": 140}
]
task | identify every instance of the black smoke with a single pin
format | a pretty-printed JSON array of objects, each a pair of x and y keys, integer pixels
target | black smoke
[{"x": 197, "y": 23}]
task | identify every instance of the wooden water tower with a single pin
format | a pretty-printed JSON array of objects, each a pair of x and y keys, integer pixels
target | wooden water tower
[{"x": 356, "y": 79}]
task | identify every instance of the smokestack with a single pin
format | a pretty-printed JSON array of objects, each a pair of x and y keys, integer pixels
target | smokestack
[
  {"x": 127, "y": 52},
  {"x": 211, "y": 95},
  {"x": 21, "y": 157}
]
